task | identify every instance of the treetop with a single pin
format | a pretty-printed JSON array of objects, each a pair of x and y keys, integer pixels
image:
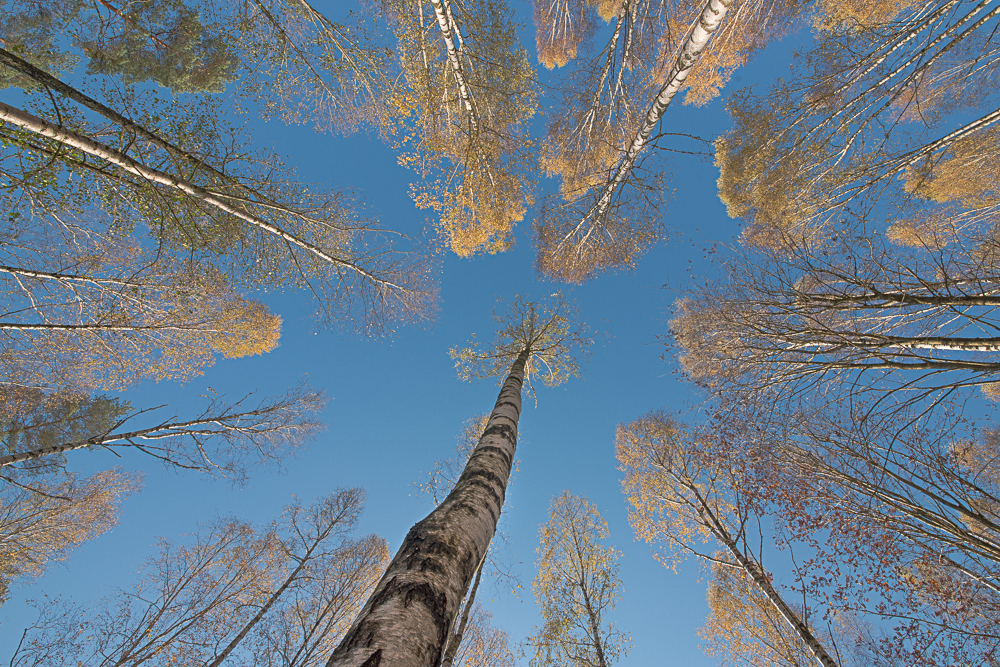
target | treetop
[{"x": 548, "y": 330}]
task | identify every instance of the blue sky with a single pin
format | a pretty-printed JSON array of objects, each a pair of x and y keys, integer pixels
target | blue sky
[{"x": 396, "y": 405}]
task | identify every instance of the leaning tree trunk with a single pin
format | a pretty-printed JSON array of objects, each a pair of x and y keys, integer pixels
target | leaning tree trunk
[
  {"x": 697, "y": 41},
  {"x": 762, "y": 581},
  {"x": 406, "y": 621}
]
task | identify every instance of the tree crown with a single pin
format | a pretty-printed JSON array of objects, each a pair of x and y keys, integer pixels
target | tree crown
[{"x": 547, "y": 332}]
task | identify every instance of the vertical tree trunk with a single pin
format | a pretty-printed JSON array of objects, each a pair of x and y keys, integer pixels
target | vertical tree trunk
[{"x": 406, "y": 621}]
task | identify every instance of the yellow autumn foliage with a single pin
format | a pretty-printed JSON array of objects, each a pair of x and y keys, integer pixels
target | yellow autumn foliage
[{"x": 42, "y": 526}]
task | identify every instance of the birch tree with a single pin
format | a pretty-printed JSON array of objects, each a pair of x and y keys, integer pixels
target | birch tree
[
  {"x": 577, "y": 585},
  {"x": 472, "y": 622},
  {"x": 744, "y": 628},
  {"x": 613, "y": 101},
  {"x": 42, "y": 520},
  {"x": 483, "y": 645},
  {"x": 102, "y": 315},
  {"x": 470, "y": 92},
  {"x": 271, "y": 596},
  {"x": 197, "y": 185},
  {"x": 225, "y": 439},
  {"x": 898, "y": 518},
  {"x": 866, "y": 107},
  {"x": 594, "y": 230},
  {"x": 909, "y": 325},
  {"x": 682, "y": 499},
  {"x": 407, "y": 619}
]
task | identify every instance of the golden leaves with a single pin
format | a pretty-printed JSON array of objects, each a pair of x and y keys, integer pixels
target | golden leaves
[
  {"x": 41, "y": 522},
  {"x": 547, "y": 331},
  {"x": 465, "y": 128},
  {"x": 967, "y": 172},
  {"x": 576, "y": 585},
  {"x": 668, "y": 485},
  {"x": 743, "y": 627}
]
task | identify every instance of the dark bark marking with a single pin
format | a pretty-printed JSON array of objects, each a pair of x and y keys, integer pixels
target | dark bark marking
[
  {"x": 374, "y": 660},
  {"x": 505, "y": 431},
  {"x": 493, "y": 450},
  {"x": 512, "y": 404}
]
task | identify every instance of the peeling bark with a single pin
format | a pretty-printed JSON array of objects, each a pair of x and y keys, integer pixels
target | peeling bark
[{"x": 406, "y": 621}]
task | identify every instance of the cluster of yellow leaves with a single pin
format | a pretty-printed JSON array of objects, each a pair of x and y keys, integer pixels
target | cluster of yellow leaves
[
  {"x": 663, "y": 484},
  {"x": 933, "y": 230},
  {"x": 583, "y": 155},
  {"x": 856, "y": 14},
  {"x": 981, "y": 458},
  {"x": 772, "y": 193},
  {"x": 249, "y": 328},
  {"x": 577, "y": 582},
  {"x": 968, "y": 172},
  {"x": 41, "y": 526},
  {"x": 469, "y": 142},
  {"x": 572, "y": 251},
  {"x": 743, "y": 627}
]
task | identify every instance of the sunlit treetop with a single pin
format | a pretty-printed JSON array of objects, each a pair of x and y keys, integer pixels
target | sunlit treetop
[{"x": 549, "y": 332}]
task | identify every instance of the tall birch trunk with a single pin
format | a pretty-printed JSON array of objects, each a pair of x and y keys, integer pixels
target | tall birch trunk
[
  {"x": 31, "y": 123},
  {"x": 709, "y": 21},
  {"x": 449, "y": 33},
  {"x": 406, "y": 621}
]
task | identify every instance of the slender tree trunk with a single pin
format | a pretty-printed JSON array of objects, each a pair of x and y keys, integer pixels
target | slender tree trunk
[
  {"x": 166, "y": 430},
  {"x": 708, "y": 23},
  {"x": 896, "y": 300},
  {"x": 35, "y": 125},
  {"x": 14, "y": 326},
  {"x": 763, "y": 583},
  {"x": 449, "y": 32},
  {"x": 41, "y": 76},
  {"x": 455, "y": 639},
  {"x": 880, "y": 342},
  {"x": 595, "y": 625},
  {"x": 406, "y": 621},
  {"x": 275, "y": 596}
]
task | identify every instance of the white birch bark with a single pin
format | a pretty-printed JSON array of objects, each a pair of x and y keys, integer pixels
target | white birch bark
[
  {"x": 31, "y": 123},
  {"x": 406, "y": 621},
  {"x": 697, "y": 41},
  {"x": 874, "y": 342},
  {"x": 449, "y": 32}
]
